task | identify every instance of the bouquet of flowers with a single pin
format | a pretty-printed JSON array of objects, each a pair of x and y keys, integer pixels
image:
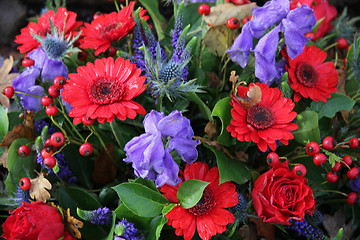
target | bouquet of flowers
[{"x": 221, "y": 120}]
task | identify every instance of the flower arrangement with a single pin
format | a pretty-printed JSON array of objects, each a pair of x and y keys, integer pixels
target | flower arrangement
[{"x": 223, "y": 120}]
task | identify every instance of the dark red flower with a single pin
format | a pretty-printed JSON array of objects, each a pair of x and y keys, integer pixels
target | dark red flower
[
  {"x": 309, "y": 76},
  {"x": 280, "y": 195},
  {"x": 104, "y": 89},
  {"x": 264, "y": 123},
  {"x": 34, "y": 221},
  {"x": 322, "y": 9},
  {"x": 107, "y": 28},
  {"x": 208, "y": 216},
  {"x": 43, "y": 27}
]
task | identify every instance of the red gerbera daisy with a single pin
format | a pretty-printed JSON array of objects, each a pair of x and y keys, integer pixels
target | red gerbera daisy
[
  {"x": 104, "y": 90},
  {"x": 107, "y": 28},
  {"x": 265, "y": 122},
  {"x": 310, "y": 77},
  {"x": 43, "y": 27},
  {"x": 208, "y": 216}
]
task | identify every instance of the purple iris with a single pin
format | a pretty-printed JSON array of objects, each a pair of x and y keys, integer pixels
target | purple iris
[
  {"x": 150, "y": 159},
  {"x": 274, "y": 14},
  {"x": 26, "y": 81}
]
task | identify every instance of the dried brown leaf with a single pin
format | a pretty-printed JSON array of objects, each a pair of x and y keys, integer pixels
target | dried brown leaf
[
  {"x": 39, "y": 187},
  {"x": 252, "y": 98},
  {"x": 210, "y": 130},
  {"x": 341, "y": 89},
  {"x": 4, "y": 157},
  {"x": 217, "y": 41},
  {"x": 6, "y": 78},
  {"x": 73, "y": 225},
  {"x": 222, "y": 12},
  {"x": 104, "y": 168},
  {"x": 332, "y": 224},
  {"x": 264, "y": 229}
]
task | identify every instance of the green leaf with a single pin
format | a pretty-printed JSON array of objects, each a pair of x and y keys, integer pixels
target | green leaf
[
  {"x": 111, "y": 233},
  {"x": 4, "y": 122},
  {"x": 156, "y": 227},
  {"x": 84, "y": 214},
  {"x": 140, "y": 222},
  {"x": 141, "y": 200},
  {"x": 230, "y": 169},
  {"x": 339, "y": 235},
  {"x": 190, "y": 192},
  {"x": 308, "y": 128},
  {"x": 147, "y": 183},
  {"x": 18, "y": 166},
  {"x": 168, "y": 208},
  {"x": 222, "y": 110},
  {"x": 153, "y": 8},
  {"x": 337, "y": 102}
]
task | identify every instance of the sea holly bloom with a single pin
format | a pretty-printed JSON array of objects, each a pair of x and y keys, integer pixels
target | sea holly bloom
[
  {"x": 277, "y": 14},
  {"x": 310, "y": 77},
  {"x": 208, "y": 216},
  {"x": 103, "y": 90},
  {"x": 43, "y": 27},
  {"x": 107, "y": 28},
  {"x": 150, "y": 159},
  {"x": 322, "y": 9},
  {"x": 264, "y": 123}
]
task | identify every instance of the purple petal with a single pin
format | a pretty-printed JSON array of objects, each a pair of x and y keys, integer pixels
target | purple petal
[
  {"x": 151, "y": 121},
  {"x": 52, "y": 69},
  {"x": 175, "y": 124},
  {"x": 33, "y": 103},
  {"x": 39, "y": 56},
  {"x": 185, "y": 147},
  {"x": 25, "y": 80},
  {"x": 168, "y": 172}
]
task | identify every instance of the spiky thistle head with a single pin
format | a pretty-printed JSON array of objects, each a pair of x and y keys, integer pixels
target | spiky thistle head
[{"x": 55, "y": 45}]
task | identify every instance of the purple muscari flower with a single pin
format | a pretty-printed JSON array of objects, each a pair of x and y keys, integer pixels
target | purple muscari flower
[
  {"x": 355, "y": 184},
  {"x": 64, "y": 171},
  {"x": 276, "y": 13},
  {"x": 100, "y": 216},
  {"x": 40, "y": 124},
  {"x": 304, "y": 229},
  {"x": 150, "y": 159},
  {"x": 178, "y": 44},
  {"x": 125, "y": 230}
]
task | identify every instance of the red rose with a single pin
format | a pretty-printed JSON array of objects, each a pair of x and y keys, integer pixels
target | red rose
[
  {"x": 280, "y": 195},
  {"x": 322, "y": 9},
  {"x": 32, "y": 221}
]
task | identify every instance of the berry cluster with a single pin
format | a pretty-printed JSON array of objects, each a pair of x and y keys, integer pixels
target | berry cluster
[
  {"x": 319, "y": 159},
  {"x": 273, "y": 160}
]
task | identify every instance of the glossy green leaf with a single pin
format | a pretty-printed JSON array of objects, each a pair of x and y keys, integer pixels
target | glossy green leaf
[
  {"x": 337, "y": 102},
  {"x": 4, "y": 122},
  {"x": 168, "y": 208},
  {"x": 147, "y": 183},
  {"x": 339, "y": 235},
  {"x": 222, "y": 110},
  {"x": 140, "y": 222},
  {"x": 84, "y": 214},
  {"x": 18, "y": 166},
  {"x": 230, "y": 169},
  {"x": 308, "y": 128},
  {"x": 141, "y": 200},
  {"x": 111, "y": 233},
  {"x": 190, "y": 192},
  {"x": 156, "y": 227}
]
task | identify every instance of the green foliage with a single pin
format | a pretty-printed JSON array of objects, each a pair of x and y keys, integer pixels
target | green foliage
[
  {"x": 156, "y": 226},
  {"x": 190, "y": 192},
  {"x": 153, "y": 8},
  {"x": 4, "y": 122},
  {"x": 140, "y": 222},
  {"x": 308, "y": 127}
]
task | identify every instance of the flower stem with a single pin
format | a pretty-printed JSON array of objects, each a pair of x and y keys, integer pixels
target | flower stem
[
  {"x": 205, "y": 110},
  {"x": 91, "y": 128}
]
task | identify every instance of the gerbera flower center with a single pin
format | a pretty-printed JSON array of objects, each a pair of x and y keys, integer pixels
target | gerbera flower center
[
  {"x": 306, "y": 75},
  {"x": 259, "y": 117},
  {"x": 106, "y": 30},
  {"x": 205, "y": 204},
  {"x": 105, "y": 91}
]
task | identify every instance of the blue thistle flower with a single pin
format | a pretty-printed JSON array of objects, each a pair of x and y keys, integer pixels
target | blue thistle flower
[
  {"x": 126, "y": 230},
  {"x": 239, "y": 210},
  {"x": 318, "y": 217},
  {"x": 100, "y": 216},
  {"x": 304, "y": 229}
]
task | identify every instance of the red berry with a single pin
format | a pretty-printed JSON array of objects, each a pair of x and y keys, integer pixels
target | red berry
[
  {"x": 46, "y": 152},
  {"x": 57, "y": 139},
  {"x": 336, "y": 167},
  {"x": 59, "y": 82},
  {"x": 331, "y": 177},
  {"x": 46, "y": 101},
  {"x": 49, "y": 162},
  {"x": 82, "y": 56},
  {"x": 319, "y": 159},
  {"x": 27, "y": 62},
  {"x": 299, "y": 170},
  {"x": 346, "y": 160},
  {"x": 351, "y": 198},
  {"x": 51, "y": 110},
  {"x": 25, "y": 183},
  {"x": 341, "y": 43},
  {"x": 87, "y": 121},
  {"x": 53, "y": 91},
  {"x": 24, "y": 150},
  {"x": 9, "y": 91},
  {"x": 233, "y": 23},
  {"x": 204, "y": 9},
  {"x": 354, "y": 142},
  {"x": 110, "y": 52},
  {"x": 96, "y": 15},
  {"x": 86, "y": 149},
  {"x": 273, "y": 159},
  {"x": 310, "y": 35},
  {"x": 353, "y": 173},
  {"x": 329, "y": 143},
  {"x": 48, "y": 144},
  {"x": 312, "y": 148}
]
